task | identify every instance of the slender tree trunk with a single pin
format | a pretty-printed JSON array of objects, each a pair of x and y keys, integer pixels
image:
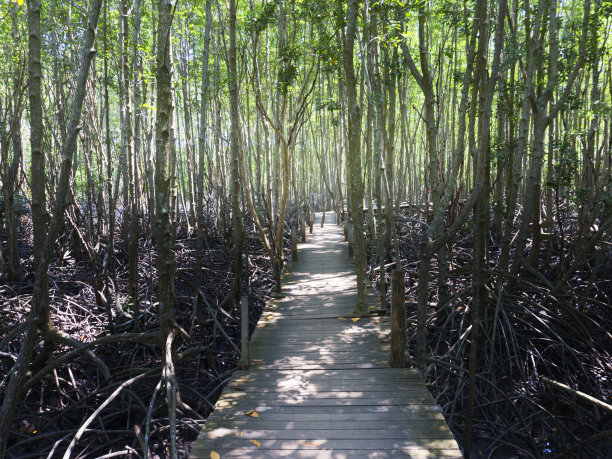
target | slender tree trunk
[
  {"x": 237, "y": 224},
  {"x": 378, "y": 160},
  {"x": 202, "y": 139},
  {"x": 10, "y": 185},
  {"x": 482, "y": 207},
  {"x": 134, "y": 233},
  {"x": 38, "y": 179},
  {"x": 164, "y": 205},
  {"x": 354, "y": 155},
  {"x": 109, "y": 266}
]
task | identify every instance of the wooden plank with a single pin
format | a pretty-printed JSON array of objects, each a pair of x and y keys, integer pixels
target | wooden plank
[
  {"x": 392, "y": 401},
  {"x": 277, "y": 357},
  {"x": 330, "y": 407},
  {"x": 323, "y": 398},
  {"x": 383, "y": 373},
  {"x": 328, "y": 424},
  {"x": 329, "y": 386},
  {"x": 429, "y": 431},
  {"x": 349, "y": 443},
  {"x": 323, "y": 412},
  {"x": 320, "y": 414},
  {"x": 308, "y": 452}
]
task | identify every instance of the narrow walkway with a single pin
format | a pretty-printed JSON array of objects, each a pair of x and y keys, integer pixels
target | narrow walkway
[{"x": 320, "y": 384}]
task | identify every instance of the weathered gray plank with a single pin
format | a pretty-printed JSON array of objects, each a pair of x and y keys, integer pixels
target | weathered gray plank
[
  {"x": 220, "y": 435},
  {"x": 227, "y": 444},
  {"x": 369, "y": 411},
  {"x": 370, "y": 375},
  {"x": 300, "y": 425},
  {"x": 313, "y": 452}
]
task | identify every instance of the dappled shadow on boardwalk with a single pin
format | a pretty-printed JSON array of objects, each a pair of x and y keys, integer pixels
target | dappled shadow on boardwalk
[{"x": 319, "y": 383}]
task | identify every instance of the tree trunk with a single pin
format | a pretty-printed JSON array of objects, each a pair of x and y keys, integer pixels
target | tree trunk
[
  {"x": 378, "y": 161},
  {"x": 164, "y": 175},
  {"x": 38, "y": 178},
  {"x": 237, "y": 224},
  {"x": 354, "y": 155}
]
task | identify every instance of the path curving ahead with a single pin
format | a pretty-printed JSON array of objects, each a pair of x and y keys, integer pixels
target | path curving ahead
[{"x": 320, "y": 384}]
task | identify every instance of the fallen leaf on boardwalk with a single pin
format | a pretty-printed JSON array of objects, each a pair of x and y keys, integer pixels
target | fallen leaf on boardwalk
[
  {"x": 252, "y": 413},
  {"x": 270, "y": 317},
  {"x": 256, "y": 443},
  {"x": 341, "y": 318},
  {"x": 256, "y": 360},
  {"x": 214, "y": 455},
  {"x": 308, "y": 443},
  {"x": 237, "y": 434},
  {"x": 355, "y": 319}
]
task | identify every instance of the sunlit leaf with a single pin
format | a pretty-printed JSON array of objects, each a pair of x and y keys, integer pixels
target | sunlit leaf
[
  {"x": 214, "y": 455},
  {"x": 237, "y": 434},
  {"x": 309, "y": 443},
  {"x": 256, "y": 443},
  {"x": 355, "y": 319},
  {"x": 252, "y": 413}
]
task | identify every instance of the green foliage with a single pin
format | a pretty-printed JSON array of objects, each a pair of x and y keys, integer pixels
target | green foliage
[
  {"x": 452, "y": 13},
  {"x": 287, "y": 57},
  {"x": 328, "y": 104},
  {"x": 501, "y": 151},
  {"x": 565, "y": 168},
  {"x": 262, "y": 17},
  {"x": 329, "y": 53},
  {"x": 315, "y": 11}
]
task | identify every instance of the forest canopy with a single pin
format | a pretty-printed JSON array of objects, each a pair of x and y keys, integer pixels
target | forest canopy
[{"x": 158, "y": 159}]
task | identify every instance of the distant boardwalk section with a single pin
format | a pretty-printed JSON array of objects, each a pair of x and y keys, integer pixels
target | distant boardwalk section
[{"x": 320, "y": 383}]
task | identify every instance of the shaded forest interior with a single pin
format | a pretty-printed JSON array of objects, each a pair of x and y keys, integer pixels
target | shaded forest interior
[{"x": 159, "y": 161}]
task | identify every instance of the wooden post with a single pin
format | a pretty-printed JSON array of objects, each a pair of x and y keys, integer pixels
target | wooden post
[
  {"x": 294, "y": 251},
  {"x": 244, "y": 333},
  {"x": 346, "y": 231},
  {"x": 312, "y": 218},
  {"x": 398, "y": 319},
  {"x": 350, "y": 232},
  {"x": 277, "y": 275}
]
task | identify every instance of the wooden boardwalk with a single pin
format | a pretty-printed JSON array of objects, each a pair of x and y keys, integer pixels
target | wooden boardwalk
[{"x": 320, "y": 384}]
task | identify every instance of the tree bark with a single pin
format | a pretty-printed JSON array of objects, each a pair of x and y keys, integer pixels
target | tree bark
[
  {"x": 237, "y": 224},
  {"x": 354, "y": 155},
  {"x": 164, "y": 227}
]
